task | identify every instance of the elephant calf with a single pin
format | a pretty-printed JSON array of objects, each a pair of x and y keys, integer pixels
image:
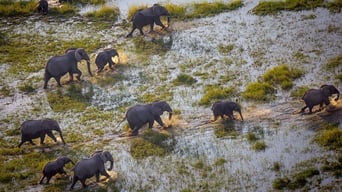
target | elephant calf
[
  {"x": 95, "y": 165},
  {"x": 32, "y": 129},
  {"x": 105, "y": 57},
  {"x": 54, "y": 167},
  {"x": 221, "y": 108}
]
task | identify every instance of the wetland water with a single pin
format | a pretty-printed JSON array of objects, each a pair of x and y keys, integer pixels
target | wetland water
[{"x": 200, "y": 161}]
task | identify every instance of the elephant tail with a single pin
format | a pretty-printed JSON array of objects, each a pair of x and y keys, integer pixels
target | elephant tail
[{"x": 121, "y": 122}]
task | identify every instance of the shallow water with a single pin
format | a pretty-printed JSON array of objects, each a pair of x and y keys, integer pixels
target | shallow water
[{"x": 270, "y": 40}]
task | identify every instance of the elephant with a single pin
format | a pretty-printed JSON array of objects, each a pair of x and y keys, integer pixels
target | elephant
[
  {"x": 54, "y": 167},
  {"x": 105, "y": 57},
  {"x": 32, "y": 129},
  {"x": 221, "y": 108},
  {"x": 149, "y": 16},
  {"x": 43, "y": 7},
  {"x": 94, "y": 165},
  {"x": 139, "y": 115},
  {"x": 57, "y": 66},
  {"x": 319, "y": 96}
]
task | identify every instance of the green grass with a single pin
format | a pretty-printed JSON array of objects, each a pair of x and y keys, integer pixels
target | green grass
[
  {"x": 150, "y": 143},
  {"x": 18, "y": 8},
  {"x": 184, "y": 79},
  {"x": 272, "y": 7},
  {"x": 297, "y": 180},
  {"x": 335, "y": 65},
  {"x": 259, "y": 146},
  {"x": 215, "y": 92},
  {"x": 282, "y": 75},
  {"x": 106, "y": 13},
  {"x": 330, "y": 136},
  {"x": 259, "y": 91},
  {"x": 225, "y": 49}
]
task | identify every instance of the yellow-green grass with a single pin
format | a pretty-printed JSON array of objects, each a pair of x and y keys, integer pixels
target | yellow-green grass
[
  {"x": 105, "y": 12},
  {"x": 215, "y": 92}
]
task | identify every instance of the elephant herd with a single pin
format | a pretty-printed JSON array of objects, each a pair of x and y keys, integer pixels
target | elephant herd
[{"x": 137, "y": 116}]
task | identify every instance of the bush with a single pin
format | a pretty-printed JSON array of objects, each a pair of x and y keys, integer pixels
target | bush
[
  {"x": 330, "y": 138},
  {"x": 184, "y": 79},
  {"x": 17, "y": 8},
  {"x": 105, "y": 12},
  {"x": 214, "y": 92},
  {"x": 259, "y": 91},
  {"x": 282, "y": 75}
]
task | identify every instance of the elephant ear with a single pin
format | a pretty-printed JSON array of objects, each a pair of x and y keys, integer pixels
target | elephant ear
[
  {"x": 156, "y": 109},
  {"x": 78, "y": 54},
  {"x": 157, "y": 10}
]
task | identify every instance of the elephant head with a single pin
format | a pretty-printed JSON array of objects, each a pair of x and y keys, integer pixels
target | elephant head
[
  {"x": 105, "y": 156},
  {"x": 158, "y": 108},
  {"x": 329, "y": 90},
  {"x": 32, "y": 129},
  {"x": 81, "y": 54},
  {"x": 43, "y": 7}
]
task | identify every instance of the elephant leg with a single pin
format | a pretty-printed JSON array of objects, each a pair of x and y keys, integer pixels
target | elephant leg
[
  {"x": 71, "y": 77},
  {"x": 50, "y": 134},
  {"x": 58, "y": 80},
  {"x": 21, "y": 143},
  {"x": 104, "y": 173},
  {"x": 303, "y": 109},
  {"x": 111, "y": 64},
  {"x": 83, "y": 183},
  {"x": 141, "y": 31},
  {"x": 74, "y": 180},
  {"x": 42, "y": 137},
  {"x": 310, "y": 110},
  {"x": 31, "y": 142},
  {"x": 151, "y": 26},
  {"x": 158, "y": 22},
  {"x": 47, "y": 77},
  {"x": 159, "y": 121},
  {"x": 135, "y": 131},
  {"x": 41, "y": 180},
  {"x": 130, "y": 34},
  {"x": 79, "y": 74},
  {"x": 48, "y": 179},
  {"x": 97, "y": 176}
]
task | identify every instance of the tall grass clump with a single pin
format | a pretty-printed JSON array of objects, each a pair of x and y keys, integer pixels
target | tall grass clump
[
  {"x": 184, "y": 79},
  {"x": 259, "y": 91},
  {"x": 205, "y": 9},
  {"x": 272, "y": 7},
  {"x": 282, "y": 75},
  {"x": 133, "y": 9},
  {"x": 215, "y": 92},
  {"x": 17, "y": 8},
  {"x": 66, "y": 9},
  {"x": 105, "y": 12},
  {"x": 177, "y": 11},
  {"x": 330, "y": 136}
]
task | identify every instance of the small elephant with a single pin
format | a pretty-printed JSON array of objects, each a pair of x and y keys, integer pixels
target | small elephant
[
  {"x": 95, "y": 165},
  {"x": 149, "y": 16},
  {"x": 58, "y": 66},
  {"x": 319, "y": 96},
  {"x": 54, "y": 167},
  {"x": 43, "y": 7},
  {"x": 32, "y": 129},
  {"x": 105, "y": 57},
  {"x": 221, "y": 108},
  {"x": 139, "y": 115}
]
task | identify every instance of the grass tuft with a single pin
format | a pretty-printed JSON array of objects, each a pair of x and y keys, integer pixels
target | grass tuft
[
  {"x": 282, "y": 75},
  {"x": 105, "y": 12},
  {"x": 215, "y": 92},
  {"x": 330, "y": 137},
  {"x": 184, "y": 79},
  {"x": 259, "y": 91}
]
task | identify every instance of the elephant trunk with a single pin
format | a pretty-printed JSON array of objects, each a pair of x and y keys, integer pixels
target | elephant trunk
[
  {"x": 241, "y": 115},
  {"x": 170, "y": 115},
  {"x": 168, "y": 21},
  {"x": 111, "y": 164},
  {"x": 88, "y": 66}
]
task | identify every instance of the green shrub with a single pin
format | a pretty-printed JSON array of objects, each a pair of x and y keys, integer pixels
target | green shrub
[
  {"x": 330, "y": 138},
  {"x": 298, "y": 92},
  {"x": 272, "y": 7},
  {"x": 17, "y": 8},
  {"x": 335, "y": 62},
  {"x": 66, "y": 9},
  {"x": 176, "y": 11},
  {"x": 259, "y": 146},
  {"x": 282, "y": 75},
  {"x": 205, "y": 9},
  {"x": 184, "y": 79},
  {"x": 259, "y": 91},
  {"x": 26, "y": 88},
  {"x": 251, "y": 137},
  {"x": 105, "y": 12},
  {"x": 214, "y": 92}
]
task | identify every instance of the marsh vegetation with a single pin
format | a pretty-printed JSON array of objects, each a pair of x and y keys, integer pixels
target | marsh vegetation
[{"x": 264, "y": 55}]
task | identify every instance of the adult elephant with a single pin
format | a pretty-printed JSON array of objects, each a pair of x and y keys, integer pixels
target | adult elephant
[
  {"x": 43, "y": 7},
  {"x": 32, "y": 129},
  {"x": 105, "y": 57},
  {"x": 139, "y": 115},
  {"x": 221, "y": 108},
  {"x": 95, "y": 165},
  {"x": 58, "y": 66},
  {"x": 54, "y": 167},
  {"x": 149, "y": 16},
  {"x": 320, "y": 96}
]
